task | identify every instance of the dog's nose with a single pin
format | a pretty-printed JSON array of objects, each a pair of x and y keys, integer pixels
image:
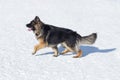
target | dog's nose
[{"x": 27, "y": 25}]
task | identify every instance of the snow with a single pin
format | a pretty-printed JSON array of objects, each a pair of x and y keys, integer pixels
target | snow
[{"x": 100, "y": 61}]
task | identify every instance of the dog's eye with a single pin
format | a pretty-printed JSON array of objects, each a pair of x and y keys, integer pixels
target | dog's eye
[{"x": 32, "y": 23}]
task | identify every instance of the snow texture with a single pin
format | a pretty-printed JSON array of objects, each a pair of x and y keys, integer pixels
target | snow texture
[{"x": 100, "y": 61}]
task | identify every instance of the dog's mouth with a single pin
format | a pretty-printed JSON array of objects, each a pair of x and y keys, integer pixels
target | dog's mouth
[{"x": 29, "y": 29}]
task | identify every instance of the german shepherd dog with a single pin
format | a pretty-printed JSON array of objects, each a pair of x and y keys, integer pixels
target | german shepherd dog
[{"x": 51, "y": 36}]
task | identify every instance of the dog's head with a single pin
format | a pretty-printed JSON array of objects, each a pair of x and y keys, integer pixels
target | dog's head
[{"x": 35, "y": 24}]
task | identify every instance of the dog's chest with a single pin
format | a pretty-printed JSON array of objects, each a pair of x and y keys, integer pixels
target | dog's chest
[{"x": 38, "y": 36}]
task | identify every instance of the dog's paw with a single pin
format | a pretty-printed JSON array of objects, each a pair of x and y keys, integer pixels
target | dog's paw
[
  {"x": 62, "y": 53},
  {"x": 33, "y": 53},
  {"x": 77, "y": 56},
  {"x": 55, "y": 55}
]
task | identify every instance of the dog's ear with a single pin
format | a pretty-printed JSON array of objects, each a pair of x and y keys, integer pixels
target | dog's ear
[{"x": 37, "y": 19}]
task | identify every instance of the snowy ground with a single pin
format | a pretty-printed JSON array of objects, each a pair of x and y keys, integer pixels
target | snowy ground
[{"x": 100, "y": 61}]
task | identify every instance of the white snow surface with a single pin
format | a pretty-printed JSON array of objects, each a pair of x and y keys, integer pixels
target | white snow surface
[{"x": 100, "y": 61}]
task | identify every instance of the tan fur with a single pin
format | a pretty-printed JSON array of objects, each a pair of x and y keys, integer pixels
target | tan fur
[
  {"x": 40, "y": 45},
  {"x": 67, "y": 47},
  {"x": 37, "y": 28},
  {"x": 55, "y": 52},
  {"x": 79, "y": 54},
  {"x": 65, "y": 51}
]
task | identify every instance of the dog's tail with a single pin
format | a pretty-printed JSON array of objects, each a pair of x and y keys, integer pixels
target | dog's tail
[{"x": 90, "y": 39}]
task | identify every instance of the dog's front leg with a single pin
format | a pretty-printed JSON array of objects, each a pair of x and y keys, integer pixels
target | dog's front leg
[
  {"x": 41, "y": 45},
  {"x": 37, "y": 47},
  {"x": 55, "y": 51}
]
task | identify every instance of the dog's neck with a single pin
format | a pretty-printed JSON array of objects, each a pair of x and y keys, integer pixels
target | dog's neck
[{"x": 38, "y": 34}]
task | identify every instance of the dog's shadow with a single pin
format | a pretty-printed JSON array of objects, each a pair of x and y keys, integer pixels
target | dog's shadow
[
  {"x": 92, "y": 49},
  {"x": 85, "y": 49}
]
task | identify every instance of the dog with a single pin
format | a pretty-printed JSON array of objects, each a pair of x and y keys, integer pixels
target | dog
[{"x": 50, "y": 36}]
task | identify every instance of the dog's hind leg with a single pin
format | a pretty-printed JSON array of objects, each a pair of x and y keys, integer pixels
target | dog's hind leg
[
  {"x": 65, "y": 51},
  {"x": 79, "y": 54},
  {"x": 55, "y": 51},
  {"x": 73, "y": 49},
  {"x": 68, "y": 49}
]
